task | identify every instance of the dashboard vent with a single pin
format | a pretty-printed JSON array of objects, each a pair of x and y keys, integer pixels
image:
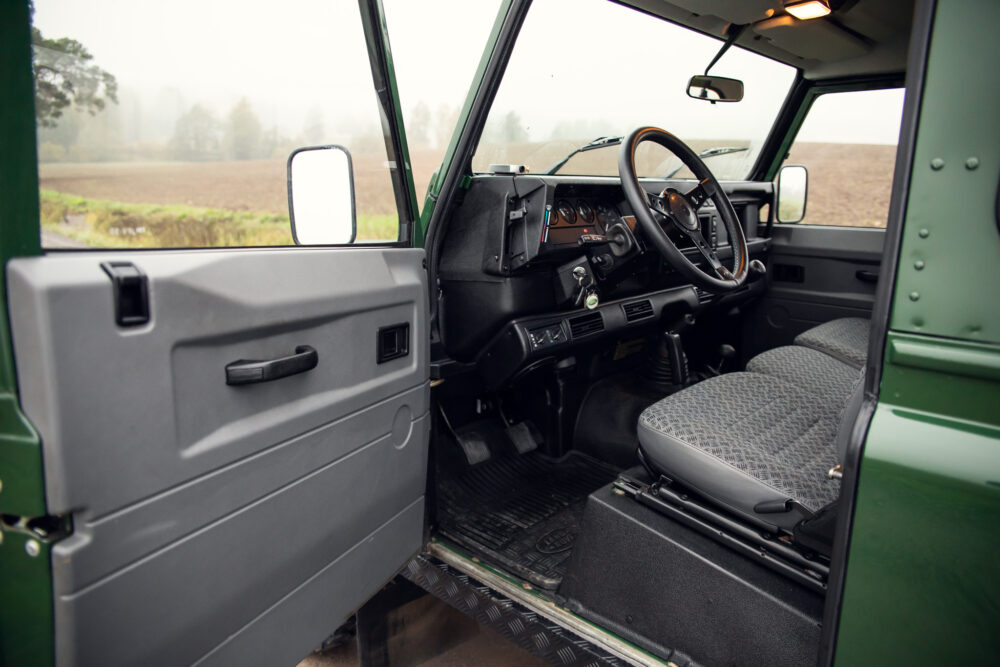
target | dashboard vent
[
  {"x": 584, "y": 325},
  {"x": 704, "y": 296},
  {"x": 637, "y": 310}
]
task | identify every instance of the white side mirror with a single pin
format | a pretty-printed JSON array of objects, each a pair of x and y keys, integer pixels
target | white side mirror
[
  {"x": 321, "y": 196},
  {"x": 793, "y": 186}
]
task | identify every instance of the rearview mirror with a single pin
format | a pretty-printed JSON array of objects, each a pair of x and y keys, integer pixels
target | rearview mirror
[
  {"x": 321, "y": 196},
  {"x": 715, "y": 88},
  {"x": 793, "y": 185}
]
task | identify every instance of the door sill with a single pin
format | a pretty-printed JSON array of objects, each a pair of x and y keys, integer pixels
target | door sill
[{"x": 536, "y": 602}]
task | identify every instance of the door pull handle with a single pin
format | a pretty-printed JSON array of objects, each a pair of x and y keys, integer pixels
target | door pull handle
[{"x": 252, "y": 371}]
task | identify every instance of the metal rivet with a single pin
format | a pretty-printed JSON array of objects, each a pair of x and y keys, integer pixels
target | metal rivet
[
  {"x": 937, "y": 164},
  {"x": 924, "y": 233},
  {"x": 972, "y": 163},
  {"x": 914, "y": 296},
  {"x": 919, "y": 265},
  {"x": 32, "y": 548}
]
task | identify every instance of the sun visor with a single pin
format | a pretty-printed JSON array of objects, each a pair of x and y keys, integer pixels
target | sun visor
[{"x": 818, "y": 39}]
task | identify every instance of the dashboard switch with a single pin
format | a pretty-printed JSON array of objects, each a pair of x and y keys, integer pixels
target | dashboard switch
[{"x": 546, "y": 336}]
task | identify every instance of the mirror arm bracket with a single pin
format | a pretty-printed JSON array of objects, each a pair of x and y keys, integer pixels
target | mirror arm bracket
[{"x": 733, "y": 33}]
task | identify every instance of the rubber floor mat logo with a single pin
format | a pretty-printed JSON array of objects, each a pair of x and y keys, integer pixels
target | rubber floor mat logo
[{"x": 555, "y": 541}]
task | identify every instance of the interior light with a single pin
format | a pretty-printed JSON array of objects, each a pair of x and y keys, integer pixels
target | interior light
[{"x": 810, "y": 9}]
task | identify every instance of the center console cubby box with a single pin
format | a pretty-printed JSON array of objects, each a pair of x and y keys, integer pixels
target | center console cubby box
[{"x": 643, "y": 575}]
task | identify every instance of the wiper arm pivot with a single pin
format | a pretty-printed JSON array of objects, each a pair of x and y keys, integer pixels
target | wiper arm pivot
[{"x": 599, "y": 142}]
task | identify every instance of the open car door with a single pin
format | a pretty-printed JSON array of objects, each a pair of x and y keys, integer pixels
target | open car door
[{"x": 215, "y": 522}]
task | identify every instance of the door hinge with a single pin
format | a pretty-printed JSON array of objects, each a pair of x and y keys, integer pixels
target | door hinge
[{"x": 38, "y": 532}]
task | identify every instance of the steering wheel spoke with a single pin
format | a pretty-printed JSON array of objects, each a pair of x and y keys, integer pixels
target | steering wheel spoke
[
  {"x": 708, "y": 253},
  {"x": 658, "y": 203},
  {"x": 700, "y": 193}
]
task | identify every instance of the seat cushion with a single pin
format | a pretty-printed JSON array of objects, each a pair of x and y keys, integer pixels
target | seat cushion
[
  {"x": 809, "y": 369},
  {"x": 845, "y": 339},
  {"x": 743, "y": 439}
]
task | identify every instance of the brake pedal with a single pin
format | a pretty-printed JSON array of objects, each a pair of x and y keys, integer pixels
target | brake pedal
[{"x": 521, "y": 435}]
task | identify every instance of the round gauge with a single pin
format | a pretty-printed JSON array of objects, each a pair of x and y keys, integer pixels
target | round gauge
[
  {"x": 566, "y": 212},
  {"x": 606, "y": 215},
  {"x": 584, "y": 211}
]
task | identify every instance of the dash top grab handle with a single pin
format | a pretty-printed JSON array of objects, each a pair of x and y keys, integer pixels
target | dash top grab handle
[{"x": 251, "y": 371}]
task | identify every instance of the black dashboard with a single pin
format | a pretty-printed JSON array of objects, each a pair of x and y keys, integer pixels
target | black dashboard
[
  {"x": 510, "y": 264},
  {"x": 570, "y": 217},
  {"x": 560, "y": 218}
]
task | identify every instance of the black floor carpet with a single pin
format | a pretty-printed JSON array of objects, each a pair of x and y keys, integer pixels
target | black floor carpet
[{"x": 522, "y": 513}]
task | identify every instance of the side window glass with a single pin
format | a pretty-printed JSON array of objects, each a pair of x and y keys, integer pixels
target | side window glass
[
  {"x": 170, "y": 125},
  {"x": 848, "y": 144}
]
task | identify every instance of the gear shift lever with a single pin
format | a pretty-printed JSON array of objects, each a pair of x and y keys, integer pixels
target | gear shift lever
[{"x": 726, "y": 351}]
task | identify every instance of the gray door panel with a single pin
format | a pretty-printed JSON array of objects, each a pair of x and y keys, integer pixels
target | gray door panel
[
  {"x": 204, "y": 513},
  {"x": 813, "y": 274}
]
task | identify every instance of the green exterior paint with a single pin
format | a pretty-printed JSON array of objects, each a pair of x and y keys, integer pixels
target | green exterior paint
[
  {"x": 955, "y": 379},
  {"x": 951, "y": 219},
  {"x": 923, "y": 570},
  {"x": 434, "y": 188},
  {"x": 26, "y": 627},
  {"x": 26, "y": 622},
  {"x": 945, "y": 356},
  {"x": 22, "y": 491}
]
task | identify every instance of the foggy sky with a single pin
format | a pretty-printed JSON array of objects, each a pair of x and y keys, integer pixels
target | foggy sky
[{"x": 291, "y": 57}]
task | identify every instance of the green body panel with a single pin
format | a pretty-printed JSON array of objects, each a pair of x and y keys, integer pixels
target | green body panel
[
  {"x": 951, "y": 228},
  {"x": 26, "y": 627},
  {"x": 923, "y": 570},
  {"x": 26, "y": 623},
  {"x": 434, "y": 188},
  {"x": 21, "y": 483}
]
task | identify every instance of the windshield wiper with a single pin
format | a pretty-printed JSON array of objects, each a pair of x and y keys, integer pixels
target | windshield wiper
[
  {"x": 599, "y": 142},
  {"x": 712, "y": 152}
]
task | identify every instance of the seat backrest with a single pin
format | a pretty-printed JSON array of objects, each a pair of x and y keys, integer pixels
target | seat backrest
[{"x": 849, "y": 415}]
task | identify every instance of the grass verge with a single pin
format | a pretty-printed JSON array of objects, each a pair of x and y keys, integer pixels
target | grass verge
[{"x": 102, "y": 223}]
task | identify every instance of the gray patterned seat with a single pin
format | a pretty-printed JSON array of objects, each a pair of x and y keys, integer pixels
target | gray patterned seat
[
  {"x": 845, "y": 339},
  {"x": 753, "y": 441},
  {"x": 748, "y": 442},
  {"x": 809, "y": 369}
]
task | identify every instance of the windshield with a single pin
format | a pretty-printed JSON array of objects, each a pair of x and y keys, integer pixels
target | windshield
[{"x": 584, "y": 69}]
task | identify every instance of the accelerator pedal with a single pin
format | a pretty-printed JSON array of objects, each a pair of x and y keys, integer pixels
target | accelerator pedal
[{"x": 524, "y": 436}]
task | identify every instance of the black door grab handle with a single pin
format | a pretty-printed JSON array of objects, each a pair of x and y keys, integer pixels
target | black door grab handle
[
  {"x": 250, "y": 371},
  {"x": 867, "y": 276}
]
